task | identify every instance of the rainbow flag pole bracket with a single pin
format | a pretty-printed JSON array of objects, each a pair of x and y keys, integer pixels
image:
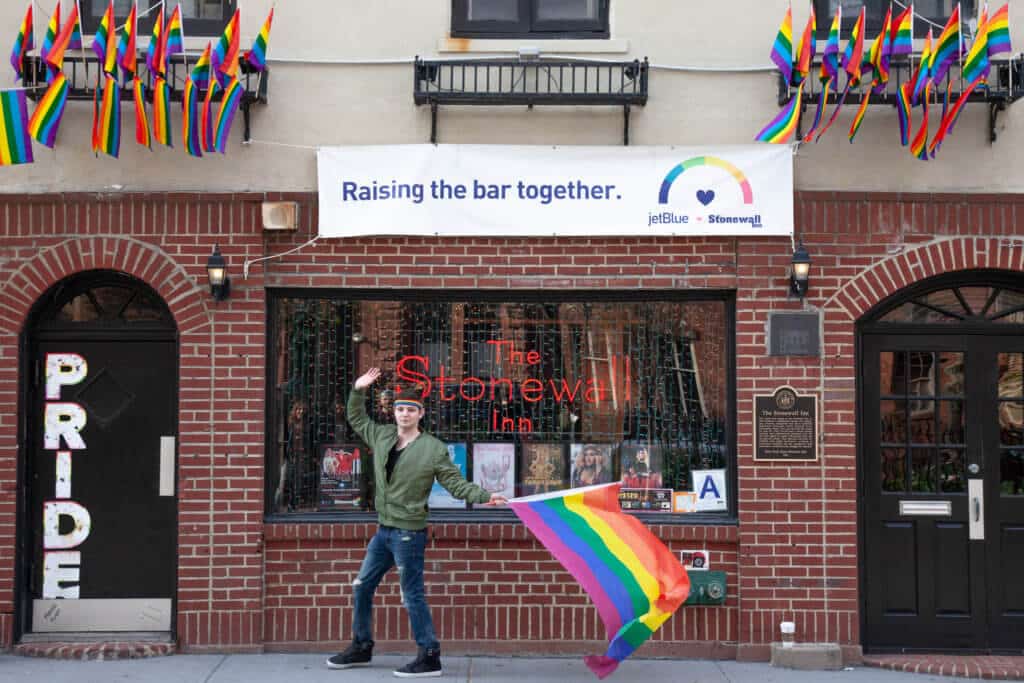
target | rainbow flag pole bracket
[{"x": 706, "y": 588}]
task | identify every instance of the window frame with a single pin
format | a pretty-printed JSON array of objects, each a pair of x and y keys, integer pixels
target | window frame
[
  {"x": 527, "y": 26},
  {"x": 482, "y": 515},
  {"x": 874, "y": 24},
  {"x": 193, "y": 28}
]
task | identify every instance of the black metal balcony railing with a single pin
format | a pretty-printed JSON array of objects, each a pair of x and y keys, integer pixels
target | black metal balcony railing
[
  {"x": 1005, "y": 86},
  {"x": 82, "y": 72},
  {"x": 528, "y": 83}
]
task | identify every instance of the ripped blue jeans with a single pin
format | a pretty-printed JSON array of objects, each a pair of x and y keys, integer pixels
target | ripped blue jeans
[{"x": 390, "y": 547}]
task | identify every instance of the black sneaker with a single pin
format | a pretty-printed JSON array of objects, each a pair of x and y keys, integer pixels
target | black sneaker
[
  {"x": 356, "y": 654},
  {"x": 427, "y": 663}
]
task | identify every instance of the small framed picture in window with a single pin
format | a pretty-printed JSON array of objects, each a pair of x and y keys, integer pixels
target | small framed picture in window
[
  {"x": 543, "y": 468},
  {"x": 591, "y": 463},
  {"x": 340, "y": 470},
  {"x": 494, "y": 467},
  {"x": 641, "y": 465}
]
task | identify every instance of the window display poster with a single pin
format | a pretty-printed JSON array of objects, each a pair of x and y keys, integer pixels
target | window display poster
[
  {"x": 591, "y": 464},
  {"x": 641, "y": 466},
  {"x": 543, "y": 468},
  {"x": 646, "y": 500},
  {"x": 494, "y": 467},
  {"x": 439, "y": 496},
  {"x": 340, "y": 466},
  {"x": 709, "y": 487}
]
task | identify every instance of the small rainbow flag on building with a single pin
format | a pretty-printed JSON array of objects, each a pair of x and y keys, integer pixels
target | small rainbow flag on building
[
  {"x": 946, "y": 127},
  {"x": 783, "y": 126},
  {"x": 225, "y": 54},
  {"x": 923, "y": 74},
  {"x": 999, "y": 31},
  {"x": 174, "y": 35},
  {"x": 162, "y": 112},
  {"x": 878, "y": 56},
  {"x": 52, "y": 29},
  {"x": 257, "y": 56},
  {"x": 55, "y": 55},
  {"x": 635, "y": 582},
  {"x": 24, "y": 42},
  {"x": 901, "y": 40},
  {"x": 903, "y": 112},
  {"x": 109, "y": 129},
  {"x": 226, "y": 115},
  {"x": 142, "y": 135},
  {"x": 207, "y": 119},
  {"x": 858, "y": 118},
  {"x": 919, "y": 145},
  {"x": 948, "y": 47},
  {"x": 782, "y": 48},
  {"x": 104, "y": 34},
  {"x": 75, "y": 43},
  {"x": 190, "y": 119},
  {"x": 126, "y": 50},
  {"x": 15, "y": 141},
  {"x": 201, "y": 71},
  {"x": 46, "y": 118},
  {"x": 155, "y": 60},
  {"x": 805, "y": 50},
  {"x": 852, "y": 58},
  {"x": 976, "y": 62}
]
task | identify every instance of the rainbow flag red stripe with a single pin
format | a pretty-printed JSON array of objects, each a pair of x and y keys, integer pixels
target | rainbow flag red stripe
[
  {"x": 110, "y": 118},
  {"x": 226, "y": 115},
  {"x": 783, "y": 126},
  {"x": 142, "y": 134},
  {"x": 190, "y": 119},
  {"x": 126, "y": 50},
  {"x": 257, "y": 56},
  {"x": 635, "y": 582},
  {"x": 46, "y": 118},
  {"x": 226, "y": 52},
  {"x": 162, "y": 112},
  {"x": 782, "y": 48},
  {"x": 15, "y": 141},
  {"x": 25, "y": 41},
  {"x": 999, "y": 31}
]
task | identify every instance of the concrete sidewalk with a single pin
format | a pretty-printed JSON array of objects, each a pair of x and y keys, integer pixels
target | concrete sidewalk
[{"x": 309, "y": 668}]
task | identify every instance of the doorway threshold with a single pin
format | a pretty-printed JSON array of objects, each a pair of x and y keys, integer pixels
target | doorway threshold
[
  {"x": 97, "y": 645},
  {"x": 992, "y": 667}
]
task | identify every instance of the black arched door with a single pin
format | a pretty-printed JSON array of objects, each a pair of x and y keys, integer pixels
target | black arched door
[
  {"x": 100, "y": 492},
  {"x": 942, "y": 453}
]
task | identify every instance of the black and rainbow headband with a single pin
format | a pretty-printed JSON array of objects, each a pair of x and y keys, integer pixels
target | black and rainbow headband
[{"x": 409, "y": 402}]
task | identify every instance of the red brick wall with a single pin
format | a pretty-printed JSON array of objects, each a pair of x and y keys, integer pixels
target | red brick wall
[{"x": 794, "y": 554}]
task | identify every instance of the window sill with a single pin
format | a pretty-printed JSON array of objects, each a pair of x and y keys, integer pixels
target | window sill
[{"x": 512, "y": 45}]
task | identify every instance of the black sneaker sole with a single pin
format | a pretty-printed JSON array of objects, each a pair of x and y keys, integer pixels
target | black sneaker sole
[
  {"x": 332, "y": 665},
  {"x": 425, "y": 674}
]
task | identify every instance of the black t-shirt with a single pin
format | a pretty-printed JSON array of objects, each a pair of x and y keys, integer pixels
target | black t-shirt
[{"x": 389, "y": 466}]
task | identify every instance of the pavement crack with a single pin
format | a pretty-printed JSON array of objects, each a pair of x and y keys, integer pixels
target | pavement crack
[
  {"x": 469, "y": 670},
  {"x": 216, "y": 669},
  {"x": 718, "y": 665}
]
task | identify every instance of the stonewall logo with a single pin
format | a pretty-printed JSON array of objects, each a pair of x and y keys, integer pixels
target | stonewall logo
[{"x": 706, "y": 197}]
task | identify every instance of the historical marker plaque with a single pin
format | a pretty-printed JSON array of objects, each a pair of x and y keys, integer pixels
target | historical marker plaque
[
  {"x": 785, "y": 426},
  {"x": 794, "y": 334}
]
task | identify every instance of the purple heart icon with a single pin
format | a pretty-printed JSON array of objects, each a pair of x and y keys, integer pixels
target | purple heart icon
[{"x": 705, "y": 197}]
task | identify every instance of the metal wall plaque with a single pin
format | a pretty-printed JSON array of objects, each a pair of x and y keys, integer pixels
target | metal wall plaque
[
  {"x": 794, "y": 334},
  {"x": 785, "y": 426}
]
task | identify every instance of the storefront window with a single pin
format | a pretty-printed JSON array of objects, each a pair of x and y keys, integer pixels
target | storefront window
[{"x": 531, "y": 395}]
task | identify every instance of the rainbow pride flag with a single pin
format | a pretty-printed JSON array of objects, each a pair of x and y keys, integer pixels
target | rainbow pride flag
[
  {"x": 782, "y": 48},
  {"x": 805, "y": 50},
  {"x": 999, "y": 31},
  {"x": 858, "y": 118},
  {"x": 104, "y": 34},
  {"x": 948, "y": 46},
  {"x": 162, "y": 112},
  {"x": 901, "y": 39},
  {"x": 75, "y": 42},
  {"x": 783, "y": 126},
  {"x": 903, "y": 112},
  {"x": 201, "y": 71},
  {"x": 225, "y": 54},
  {"x": 52, "y": 29},
  {"x": 207, "y": 119},
  {"x": 55, "y": 55},
  {"x": 829, "y": 70},
  {"x": 15, "y": 141},
  {"x": 226, "y": 115},
  {"x": 919, "y": 145},
  {"x": 25, "y": 41},
  {"x": 46, "y": 118},
  {"x": 946, "y": 127},
  {"x": 109, "y": 130},
  {"x": 174, "y": 34},
  {"x": 126, "y": 51},
  {"x": 976, "y": 62},
  {"x": 924, "y": 71},
  {"x": 257, "y": 56},
  {"x": 142, "y": 135},
  {"x": 878, "y": 56},
  {"x": 635, "y": 582},
  {"x": 852, "y": 57},
  {"x": 190, "y": 119},
  {"x": 155, "y": 60}
]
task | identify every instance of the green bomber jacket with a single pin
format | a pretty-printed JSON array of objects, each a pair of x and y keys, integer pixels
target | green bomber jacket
[{"x": 402, "y": 503}]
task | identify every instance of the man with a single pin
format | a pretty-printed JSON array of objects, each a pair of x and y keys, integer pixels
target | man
[{"x": 406, "y": 462}]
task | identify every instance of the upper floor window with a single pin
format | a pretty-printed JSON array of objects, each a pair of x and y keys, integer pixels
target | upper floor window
[
  {"x": 201, "y": 17},
  {"x": 530, "y": 18},
  {"x": 927, "y": 14}
]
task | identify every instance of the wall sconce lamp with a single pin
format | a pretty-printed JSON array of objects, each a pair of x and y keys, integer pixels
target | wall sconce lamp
[
  {"x": 800, "y": 274},
  {"x": 217, "y": 273}
]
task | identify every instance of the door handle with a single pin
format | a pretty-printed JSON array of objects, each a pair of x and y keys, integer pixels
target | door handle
[
  {"x": 977, "y": 510},
  {"x": 167, "y": 465},
  {"x": 976, "y": 513}
]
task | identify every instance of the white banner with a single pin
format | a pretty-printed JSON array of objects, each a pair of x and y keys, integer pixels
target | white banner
[{"x": 568, "y": 191}]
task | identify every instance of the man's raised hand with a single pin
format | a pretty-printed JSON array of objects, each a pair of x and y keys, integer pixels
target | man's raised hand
[{"x": 367, "y": 379}]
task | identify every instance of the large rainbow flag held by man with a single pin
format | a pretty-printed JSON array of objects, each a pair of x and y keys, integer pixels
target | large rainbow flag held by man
[{"x": 636, "y": 583}]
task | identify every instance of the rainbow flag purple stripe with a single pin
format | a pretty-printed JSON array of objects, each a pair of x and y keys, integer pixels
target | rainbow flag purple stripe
[{"x": 635, "y": 582}]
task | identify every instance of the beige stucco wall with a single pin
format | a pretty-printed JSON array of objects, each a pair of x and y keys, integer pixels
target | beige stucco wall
[{"x": 319, "y": 95}]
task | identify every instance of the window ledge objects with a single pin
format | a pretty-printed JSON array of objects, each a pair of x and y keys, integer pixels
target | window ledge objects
[
  {"x": 81, "y": 70},
  {"x": 529, "y": 81},
  {"x": 1005, "y": 86}
]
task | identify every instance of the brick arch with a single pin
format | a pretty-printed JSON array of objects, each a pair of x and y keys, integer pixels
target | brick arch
[
  {"x": 916, "y": 263},
  {"x": 139, "y": 259}
]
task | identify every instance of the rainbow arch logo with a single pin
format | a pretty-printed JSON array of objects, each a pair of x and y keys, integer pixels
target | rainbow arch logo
[{"x": 694, "y": 162}]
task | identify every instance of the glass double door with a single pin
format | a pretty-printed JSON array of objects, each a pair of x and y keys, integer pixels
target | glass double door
[{"x": 942, "y": 445}]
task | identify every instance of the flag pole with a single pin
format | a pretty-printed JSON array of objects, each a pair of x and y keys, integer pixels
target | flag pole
[{"x": 960, "y": 42}]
